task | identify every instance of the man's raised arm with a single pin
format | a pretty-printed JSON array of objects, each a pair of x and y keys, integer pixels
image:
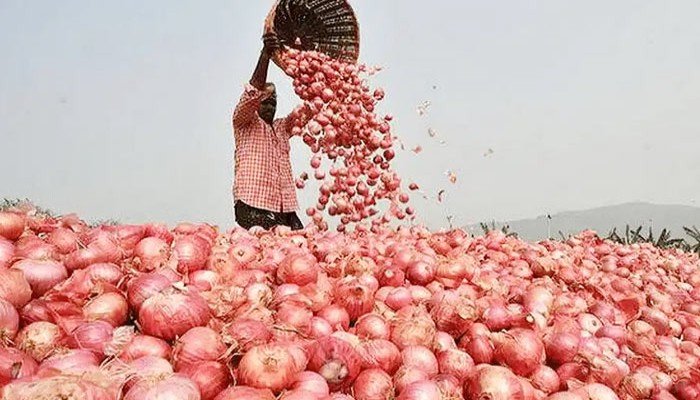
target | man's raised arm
[{"x": 256, "y": 91}]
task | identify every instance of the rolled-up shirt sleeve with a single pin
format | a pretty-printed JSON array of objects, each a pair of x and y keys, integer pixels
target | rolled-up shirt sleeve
[{"x": 248, "y": 106}]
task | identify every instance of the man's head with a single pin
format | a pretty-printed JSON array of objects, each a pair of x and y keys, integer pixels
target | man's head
[{"x": 268, "y": 107}]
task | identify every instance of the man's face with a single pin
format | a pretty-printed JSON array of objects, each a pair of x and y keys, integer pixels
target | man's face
[{"x": 268, "y": 107}]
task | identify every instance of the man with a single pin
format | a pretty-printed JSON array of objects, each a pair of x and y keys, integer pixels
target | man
[{"x": 263, "y": 190}]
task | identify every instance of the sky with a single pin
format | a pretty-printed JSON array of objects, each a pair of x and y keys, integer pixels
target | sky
[{"x": 122, "y": 110}]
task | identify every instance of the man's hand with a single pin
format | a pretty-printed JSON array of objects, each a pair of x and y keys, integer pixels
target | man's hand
[{"x": 271, "y": 43}]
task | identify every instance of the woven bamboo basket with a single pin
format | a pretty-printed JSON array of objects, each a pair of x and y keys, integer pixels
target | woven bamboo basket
[{"x": 327, "y": 26}]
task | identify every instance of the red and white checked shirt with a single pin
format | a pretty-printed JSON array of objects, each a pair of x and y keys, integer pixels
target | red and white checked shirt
[{"x": 263, "y": 171}]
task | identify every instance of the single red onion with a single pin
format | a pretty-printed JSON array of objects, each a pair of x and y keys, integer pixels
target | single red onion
[
  {"x": 7, "y": 252},
  {"x": 420, "y": 357},
  {"x": 479, "y": 348},
  {"x": 298, "y": 268},
  {"x": 14, "y": 288},
  {"x": 443, "y": 341},
  {"x": 204, "y": 280},
  {"x": 109, "y": 307},
  {"x": 420, "y": 273},
  {"x": 520, "y": 349},
  {"x": 421, "y": 390},
  {"x": 356, "y": 298},
  {"x": 42, "y": 275},
  {"x": 372, "y": 326},
  {"x": 143, "y": 345},
  {"x": 412, "y": 326},
  {"x": 245, "y": 393},
  {"x": 105, "y": 272},
  {"x": 197, "y": 345},
  {"x": 175, "y": 387},
  {"x": 148, "y": 368},
  {"x": 373, "y": 384},
  {"x": 456, "y": 363},
  {"x": 9, "y": 321},
  {"x": 686, "y": 390},
  {"x": 144, "y": 286},
  {"x": 337, "y": 317},
  {"x": 172, "y": 313},
  {"x": 406, "y": 376},
  {"x": 211, "y": 377},
  {"x": 561, "y": 347},
  {"x": 380, "y": 353},
  {"x": 75, "y": 361},
  {"x": 318, "y": 328},
  {"x": 65, "y": 240},
  {"x": 14, "y": 364},
  {"x": 312, "y": 383},
  {"x": 11, "y": 225},
  {"x": 336, "y": 360},
  {"x": 268, "y": 367},
  {"x": 191, "y": 253},
  {"x": 246, "y": 333},
  {"x": 398, "y": 298},
  {"x": 596, "y": 391},
  {"x": 494, "y": 383},
  {"x": 92, "y": 336},
  {"x": 39, "y": 339},
  {"x": 545, "y": 379}
]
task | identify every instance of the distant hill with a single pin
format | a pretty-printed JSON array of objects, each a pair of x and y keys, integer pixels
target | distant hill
[{"x": 604, "y": 219}]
